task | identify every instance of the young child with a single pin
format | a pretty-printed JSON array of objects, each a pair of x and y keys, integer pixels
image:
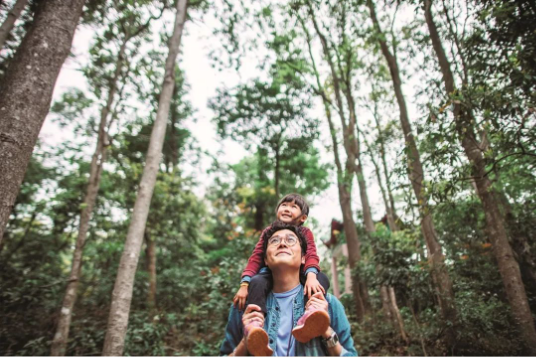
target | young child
[{"x": 256, "y": 281}]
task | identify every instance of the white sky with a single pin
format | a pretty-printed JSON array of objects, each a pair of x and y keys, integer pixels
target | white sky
[{"x": 203, "y": 81}]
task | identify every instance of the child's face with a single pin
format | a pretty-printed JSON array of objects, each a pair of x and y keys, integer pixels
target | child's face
[{"x": 290, "y": 213}]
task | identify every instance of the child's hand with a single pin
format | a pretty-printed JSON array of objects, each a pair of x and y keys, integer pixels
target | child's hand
[
  {"x": 312, "y": 285},
  {"x": 240, "y": 297}
]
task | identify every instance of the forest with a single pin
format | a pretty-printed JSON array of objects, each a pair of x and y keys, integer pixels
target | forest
[{"x": 145, "y": 144}]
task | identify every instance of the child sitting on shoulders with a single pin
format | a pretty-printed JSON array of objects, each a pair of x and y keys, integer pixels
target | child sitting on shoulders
[{"x": 256, "y": 281}]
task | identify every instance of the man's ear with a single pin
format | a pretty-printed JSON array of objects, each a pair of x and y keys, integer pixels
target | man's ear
[{"x": 303, "y": 260}]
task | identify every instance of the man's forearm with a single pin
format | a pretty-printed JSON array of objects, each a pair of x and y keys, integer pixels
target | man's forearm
[{"x": 337, "y": 349}]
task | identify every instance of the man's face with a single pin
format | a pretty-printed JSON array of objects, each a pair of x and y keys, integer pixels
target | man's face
[
  {"x": 284, "y": 252},
  {"x": 290, "y": 213}
]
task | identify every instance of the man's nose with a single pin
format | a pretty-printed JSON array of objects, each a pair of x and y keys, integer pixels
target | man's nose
[{"x": 283, "y": 242}]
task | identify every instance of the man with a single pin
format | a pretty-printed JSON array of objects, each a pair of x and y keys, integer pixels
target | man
[{"x": 284, "y": 248}]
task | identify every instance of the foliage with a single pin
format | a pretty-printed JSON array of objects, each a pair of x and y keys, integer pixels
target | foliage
[{"x": 205, "y": 226}]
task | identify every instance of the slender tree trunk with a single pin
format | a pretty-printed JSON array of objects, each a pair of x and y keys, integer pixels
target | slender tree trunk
[
  {"x": 335, "y": 280},
  {"x": 26, "y": 92},
  {"x": 509, "y": 268},
  {"x": 122, "y": 294},
  {"x": 174, "y": 145},
  {"x": 391, "y": 208},
  {"x": 344, "y": 178},
  {"x": 398, "y": 319},
  {"x": 347, "y": 271},
  {"x": 59, "y": 343},
  {"x": 151, "y": 257},
  {"x": 10, "y": 20},
  {"x": 259, "y": 217},
  {"x": 519, "y": 241},
  {"x": 389, "y": 213},
  {"x": 441, "y": 280},
  {"x": 387, "y": 293},
  {"x": 349, "y": 226}
]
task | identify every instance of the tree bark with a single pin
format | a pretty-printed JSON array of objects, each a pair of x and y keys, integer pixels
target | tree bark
[
  {"x": 347, "y": 271},
  {"x": 335, "y": 279},
  {"x": 10, "y": 20},
  {"x": 26, "y": 92},
  {"x": 441, "y": 280},
  {"x": 174, "y": 145},
  {"x": 344, "y": 181},
  {"x": 390, "y": 209},
  {"x": 59, "y": 343},
  {"x": 508, "y": 266},
  {"x": 122, "y": 293},
  {"x": 389, "y": 213},
  {"x": 344, "y": 178}
]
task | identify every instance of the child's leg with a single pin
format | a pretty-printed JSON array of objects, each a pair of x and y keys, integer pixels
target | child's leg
[
  {"x": 323, "y": 280},
  {"x": 259, "y": 288},
  {"x": 315, "y": 321}
]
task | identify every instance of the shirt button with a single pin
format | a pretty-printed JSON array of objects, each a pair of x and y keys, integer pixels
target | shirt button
[
  {"x": 277, "y": 308},
  {"x": 271, "y": 341}
]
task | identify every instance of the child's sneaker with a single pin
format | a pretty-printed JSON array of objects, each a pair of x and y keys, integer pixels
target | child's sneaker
[
  {"x": 312, "y": 324},
  {"x": 257, "y": 340}
]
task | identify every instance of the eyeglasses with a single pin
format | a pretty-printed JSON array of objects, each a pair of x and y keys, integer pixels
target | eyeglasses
[{"x": 290, "y": 240}]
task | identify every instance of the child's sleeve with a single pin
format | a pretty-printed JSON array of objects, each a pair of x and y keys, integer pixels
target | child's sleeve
[
  {"x": 312, "y": 260},
  {"x": 255, "y": 262}
]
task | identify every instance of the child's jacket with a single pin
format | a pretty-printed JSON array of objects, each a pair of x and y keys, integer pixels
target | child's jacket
[{"x": 256, "y": 261}]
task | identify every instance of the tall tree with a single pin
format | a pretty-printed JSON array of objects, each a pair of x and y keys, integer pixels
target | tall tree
[
  {"x": 441, "y": 279},
  {"x": 509, "y": 268},
  {"x": 32, "y": 75},
  {"x": 9, "y": 22},
  {"x": 345, "y": 176},
  {"x": 122, "y": 294},
  {"x": 342, "y": 88},
  {"x": 126, "y": 30}
]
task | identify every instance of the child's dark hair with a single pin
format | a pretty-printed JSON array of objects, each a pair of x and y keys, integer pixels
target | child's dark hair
[
  {"x": 277, "y": 226},
  {"x": 298, "y": 200}
]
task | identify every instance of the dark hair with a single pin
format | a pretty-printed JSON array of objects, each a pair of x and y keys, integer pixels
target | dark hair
[
  {"x": 298, "y": 200},
  {"x": 277, "y": 226}
]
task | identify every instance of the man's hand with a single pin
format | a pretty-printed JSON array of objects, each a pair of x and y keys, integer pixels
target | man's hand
[
  {"x": 312, "y": 285},
  {"x": 252, "y": 314},
  {"x": 319, "y": 301},
  {"x": 240, "y": 297}
]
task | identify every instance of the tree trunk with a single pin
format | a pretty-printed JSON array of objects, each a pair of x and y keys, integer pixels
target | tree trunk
[
  {"x": 10, "y": 20},
  {"x": 122, "y": 294},
  {"x": 151, "y": 257},
  {"x": 389, "y": 213},
  {"x": 335, "y": 279},
  {"x": 508, "y": 267},
  {"x": 59, "y": 343},
  {"x": 347, "y": 271},
  {"x": 174, "y": 145},
  {"x": 26, "y": 92},
  {"x": 441, "y": 280},
  {"x": 344, "y": 179},
  {"x": 398, "y": 318},
  {"x": 390, "y": 209}
]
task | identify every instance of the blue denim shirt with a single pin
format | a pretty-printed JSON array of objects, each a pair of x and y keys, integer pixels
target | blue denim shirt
[{"x": 338, "y": 322}]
